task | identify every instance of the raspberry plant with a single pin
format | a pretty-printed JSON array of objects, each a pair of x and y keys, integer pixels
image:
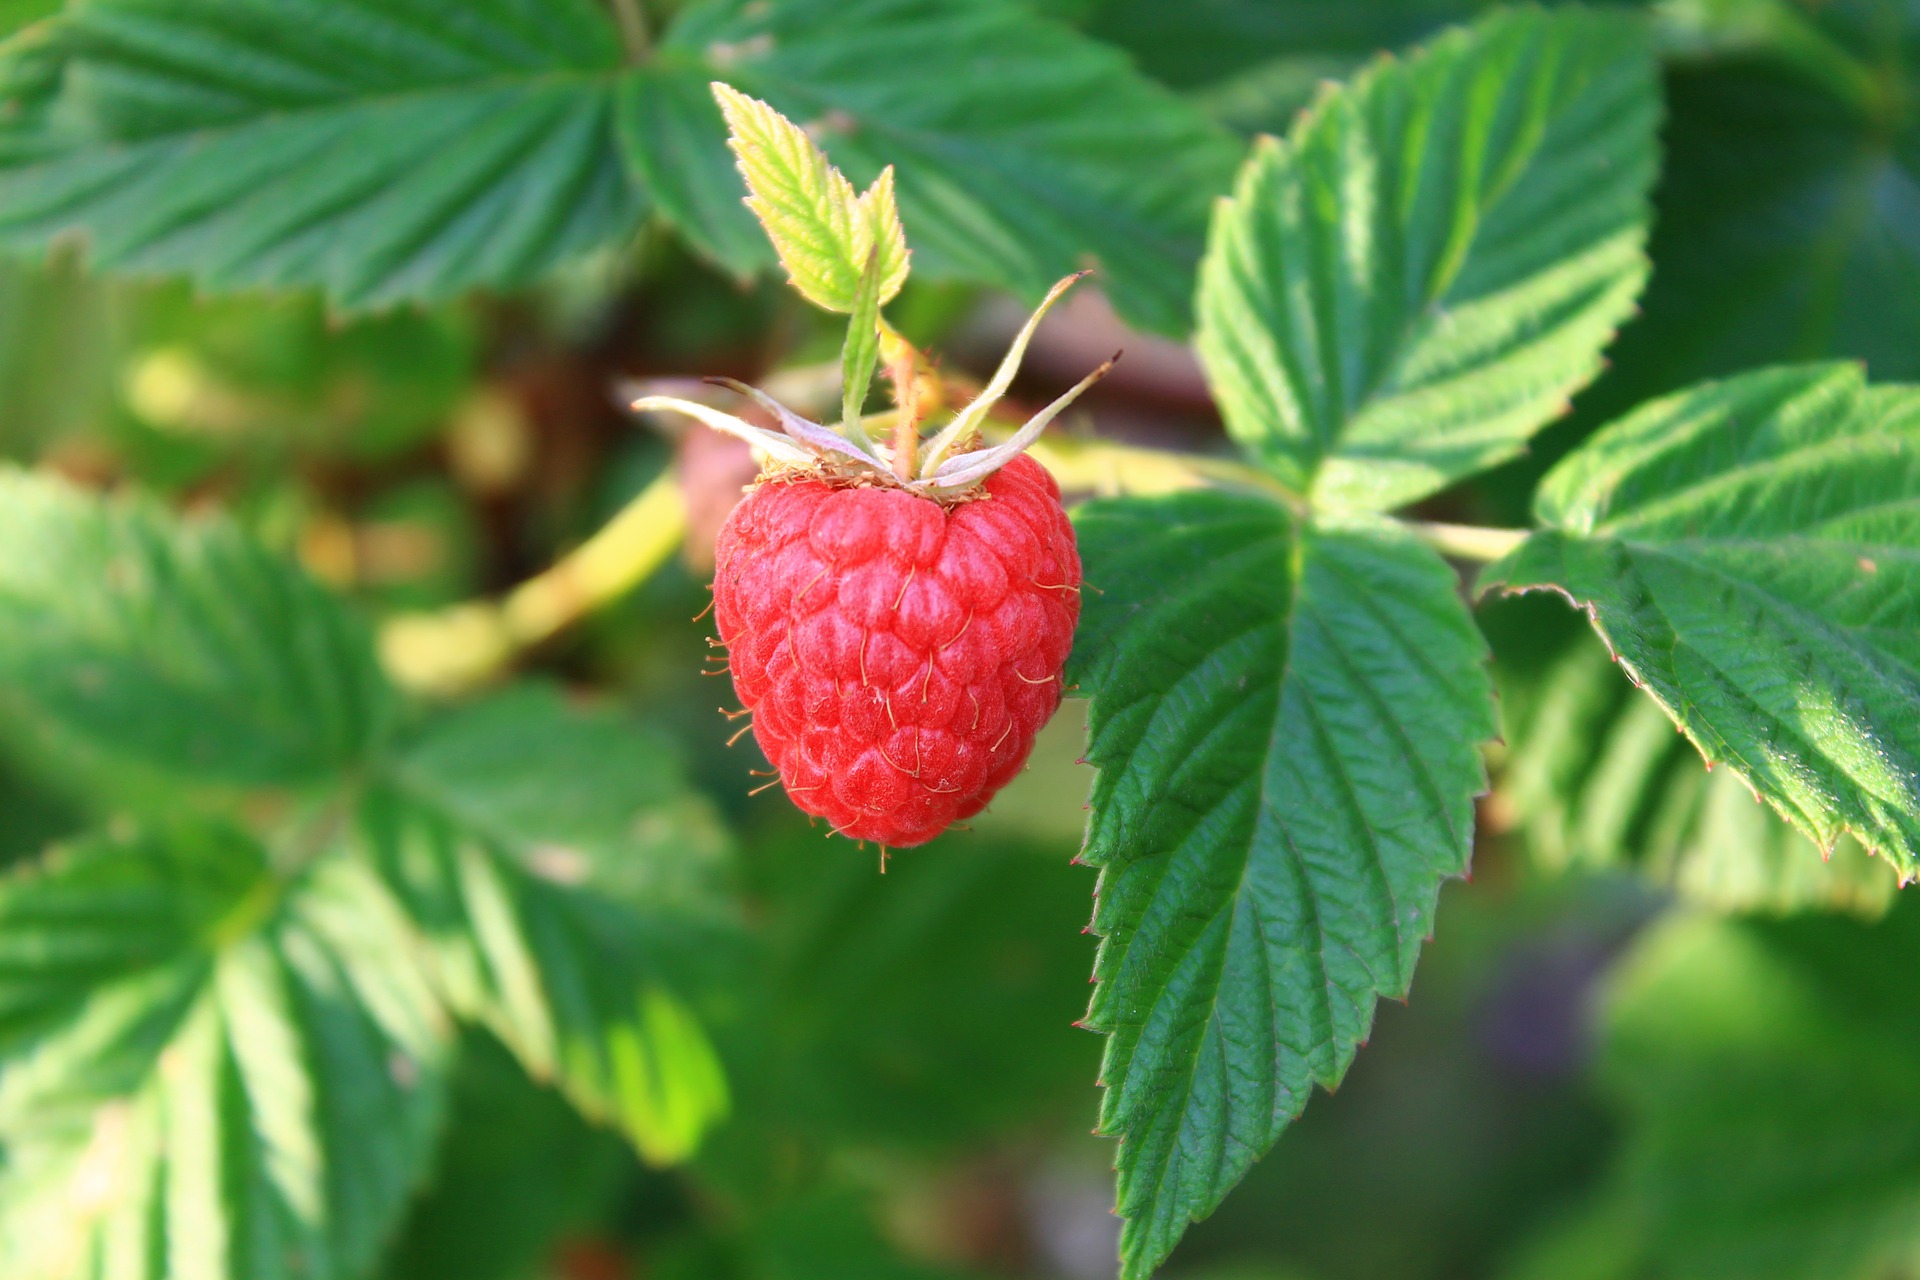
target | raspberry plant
[{"x": 310, "y": 895}]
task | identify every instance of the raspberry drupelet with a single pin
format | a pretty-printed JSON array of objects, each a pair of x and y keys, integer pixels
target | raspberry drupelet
[{"x": 898, "y": 653}]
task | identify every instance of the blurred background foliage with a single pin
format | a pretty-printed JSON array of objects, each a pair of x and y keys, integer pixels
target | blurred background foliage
[{"x": 1658, "y": 1034}]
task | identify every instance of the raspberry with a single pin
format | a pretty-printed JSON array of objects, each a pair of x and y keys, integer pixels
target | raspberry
[{"x": 898, "y": 653}]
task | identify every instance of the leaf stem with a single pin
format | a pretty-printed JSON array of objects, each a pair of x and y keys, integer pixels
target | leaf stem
[
  {"x": 906, "y": 395},
  {"x": 469, "y": 644},
  {"x": 1467, "y": 541},
  {"x": 634, "y": 36}
]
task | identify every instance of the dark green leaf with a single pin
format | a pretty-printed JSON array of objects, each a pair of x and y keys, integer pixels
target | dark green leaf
[
  {"x": 1412, "y": 284},
  {"x": 206, "y": 1070},
  {"x": 381, "y": 149},
  {"x": 1023, "y": 149},
  {"x": 496, "y": 827},
  {"x": 184, "y": 647},
  {"x": 1253, "y": 63},
  {"x": 1767, "y": 1072},
  {"x": 822, "y": 1235},
  {"x": 1286, "y": 721},
  {"x": 921, "y": 1010},
  {"x": 517, "y": 1170},
  {"x": 1785, "y": 228},
  {"x": 1597, "y": 778},
  {"x": 1751, "y": 551}
]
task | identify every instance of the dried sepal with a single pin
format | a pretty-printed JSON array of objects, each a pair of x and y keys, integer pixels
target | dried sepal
[
  {"x": 968, "y": 420},
  {"x": 960, "y": 473}
]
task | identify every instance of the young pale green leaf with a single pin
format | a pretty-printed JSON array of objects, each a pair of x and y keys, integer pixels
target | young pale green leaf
[
  {"x": 1287, "y": 721},
  {"x": 824, "y": 233},
  {"x": 1023, "y": 149},
  {"x": 549, "y": 860},
  {"x": 1766, "y": 1071},
  {"x": 206, "y": 1070},
  {"x": 1597, "y": 778},
  {"x": 182, "y": 646},
  {"x": 1751, "y": 551},
  {"x": 1413, "y": 283},
  {"x": 397, "y": 149}
]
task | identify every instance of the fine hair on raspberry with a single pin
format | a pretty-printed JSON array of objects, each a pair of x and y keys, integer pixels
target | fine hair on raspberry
[{"x": 898, "y": 653}]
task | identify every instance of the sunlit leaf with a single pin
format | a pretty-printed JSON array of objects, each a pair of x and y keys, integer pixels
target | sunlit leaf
[
  {"x": 1597, "y": 778},
  {"x": 1413, "y": 283},
  {"x": 1751, "y": 551},
  {"x": 206, "y": 1069},
  {"x": 504, "y": 832},
  {"x": 823, "y": 231}
]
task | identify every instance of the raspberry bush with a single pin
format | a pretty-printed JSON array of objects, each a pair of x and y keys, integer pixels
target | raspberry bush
[{"x": 386, "y": 386}]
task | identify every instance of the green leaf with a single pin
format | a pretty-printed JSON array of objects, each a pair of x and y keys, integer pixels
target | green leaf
[
  {"x": 205, "y": 1069},
  {"x": 397, "y": 149},
  {"x": 184, "y": 647},
  {"x": 15, "y": 14},
  {"x": 1414, "y": 282},
  {"x": 922, "y": 1011},
  {"x": 518, "y": 1172},
  {"x": 1286, "y": 720},
  {"x": 1784, "y": 227},
  {"x": 825, "y": 234},
  {"x": 1751, "y": 551},
  {"x": 1767, "y": 1075},
  {"x": 1255, "y": 63},
  {"x": 1023, "y": 149},
  {"x": 512, "y": 832},
  {"x": 1597, "y": 778}
]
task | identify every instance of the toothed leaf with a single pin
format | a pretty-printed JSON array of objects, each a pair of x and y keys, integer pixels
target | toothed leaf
[
  {"x": 1286, "y": 721},
  {"x": 181, "y": 646},
  {"x": 1751, "y": 550},
  {"x": 823, "y": 232},
  {"x": 380, "y": 149},
  {"x": 1024, "y": 149},
  {"x": 1597, "y": 778},
  {"x": 208, "y": 1069},
  {"x": 1413, "y": 283}
]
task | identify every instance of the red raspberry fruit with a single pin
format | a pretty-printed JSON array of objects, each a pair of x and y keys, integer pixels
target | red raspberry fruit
[{"x": 898, "y": 653}]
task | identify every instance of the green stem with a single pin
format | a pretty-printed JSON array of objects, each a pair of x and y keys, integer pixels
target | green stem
[
  {"x": 1467, "y": 541},
  {"x": 470, "y": 644},
  {"x": 634, "y": 36}
]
